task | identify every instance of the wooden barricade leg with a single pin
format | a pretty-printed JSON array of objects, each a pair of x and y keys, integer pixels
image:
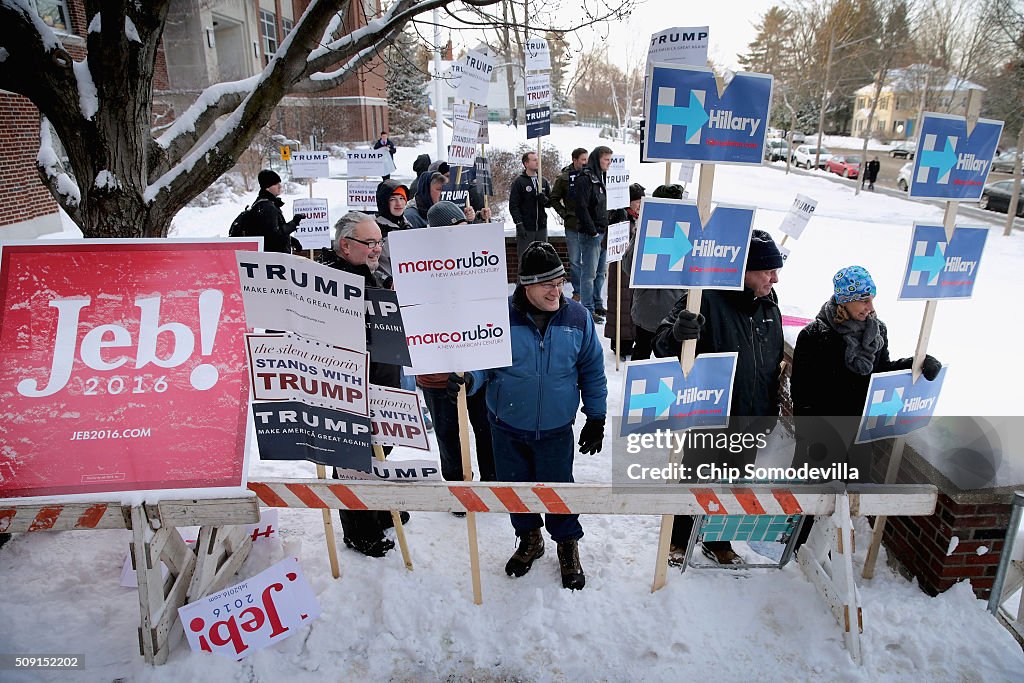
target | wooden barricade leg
[
  {"x": 332, "y": 542},
  {"x": 396, "y": 519},
  {"x": 827, "y": 561}
]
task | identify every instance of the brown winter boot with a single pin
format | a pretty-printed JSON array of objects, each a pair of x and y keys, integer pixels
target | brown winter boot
[
  {"x": 573, "y": 577},
  {"x": 531, "y": 546}
]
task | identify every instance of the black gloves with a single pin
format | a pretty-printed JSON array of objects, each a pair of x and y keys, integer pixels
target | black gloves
[
  {"x": 591, "y": 436},
  {"x": 687, "y": 325},
  {"x": 299, "y": 217},
  {"x": 930, "y": 368},
  {"x": 455, "y": 381}
]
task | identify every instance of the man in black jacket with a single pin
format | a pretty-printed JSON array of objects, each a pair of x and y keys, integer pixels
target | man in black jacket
[
  {"x": 527, "y": 198},
  {"x": 563, "y": 201},
  {"x": 592, "y": 224},
  {"x": 266, "y": 219},
  {"x": 358, "y": 243},
  {"x": 750, "y": 323}
]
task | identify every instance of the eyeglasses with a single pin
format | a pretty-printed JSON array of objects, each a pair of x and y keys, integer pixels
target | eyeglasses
[
  {"x": 370, "y": 244},
  {"x": 551, "y": 286}
]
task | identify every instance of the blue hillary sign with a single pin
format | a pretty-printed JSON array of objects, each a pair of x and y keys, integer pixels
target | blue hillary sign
[
  {"x": 688, "y": 120},
  {"x": 896, "y": 405},
  {"x": 657, "y": 396},
  {"x": 673, "y": 248},
  {"x": 951, "y": 164},
  {"x": 938, "y": 268}
]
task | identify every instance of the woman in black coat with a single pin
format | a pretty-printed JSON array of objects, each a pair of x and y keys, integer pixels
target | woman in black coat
[{"x": 834, "y": 358}]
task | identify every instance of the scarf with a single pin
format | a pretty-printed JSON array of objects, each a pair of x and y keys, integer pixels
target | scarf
[{"x": 863, "y": 338}]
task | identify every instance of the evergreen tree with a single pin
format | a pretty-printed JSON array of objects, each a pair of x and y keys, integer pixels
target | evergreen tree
[
  {"x": 767, "y": 53},
  {"x": 408, "y": 102}
]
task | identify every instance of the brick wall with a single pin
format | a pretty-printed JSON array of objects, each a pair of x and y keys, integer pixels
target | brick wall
[
  {"x": 921, "y": 544},
  {"x": 25, "y": 196}
]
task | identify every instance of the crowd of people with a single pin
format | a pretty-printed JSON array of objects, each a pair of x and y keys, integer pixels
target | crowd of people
[{"x": 522, "y": 416}]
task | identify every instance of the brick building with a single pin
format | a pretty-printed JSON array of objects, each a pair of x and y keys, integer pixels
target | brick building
[{"x": 203, "y": 43}]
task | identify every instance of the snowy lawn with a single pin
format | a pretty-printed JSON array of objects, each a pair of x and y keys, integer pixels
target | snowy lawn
[{"x": 381, "y": 622}]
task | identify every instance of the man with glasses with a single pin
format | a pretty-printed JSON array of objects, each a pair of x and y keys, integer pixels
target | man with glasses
[
  {"x": 532, "y": 404},
  {"x": 357, "y": 247}
]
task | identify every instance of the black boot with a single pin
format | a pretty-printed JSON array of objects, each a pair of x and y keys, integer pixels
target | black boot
[
  {"x": 573, "y": 577},
  {"x": 531, "y": 546},
  {"x": 371, "y": 548}
]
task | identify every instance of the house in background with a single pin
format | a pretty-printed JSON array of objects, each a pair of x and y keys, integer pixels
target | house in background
[
  {"x": 203, "y": 43},
  {"x": 900, "y": 99}
]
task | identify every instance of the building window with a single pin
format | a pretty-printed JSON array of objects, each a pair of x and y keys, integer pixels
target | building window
[
  {"x": 860, "y": 125},
  {"x": 286, "y": 26},
  {"x": 268, "y": 30},
  {"x": 885, "y": 103},
  {"x": 54, "y": 14},
  {"x": 880, "y": 126}
]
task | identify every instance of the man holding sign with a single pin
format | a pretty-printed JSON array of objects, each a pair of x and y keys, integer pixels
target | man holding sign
[
  {"x": 527, "y": 200},
  {"x": 750, "y": 323},
  {"x": 357, "y": 246},
  {"x": 532, "y": 404}
]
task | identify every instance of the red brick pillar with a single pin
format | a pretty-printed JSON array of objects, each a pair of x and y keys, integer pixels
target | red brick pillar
[{"x": 922, "y": 544}]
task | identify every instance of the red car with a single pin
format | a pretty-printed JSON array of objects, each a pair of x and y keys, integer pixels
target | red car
[{"x": 848, "y": 167}]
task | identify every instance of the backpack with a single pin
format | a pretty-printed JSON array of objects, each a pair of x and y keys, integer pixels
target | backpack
[{"x": 240, "y": 226}]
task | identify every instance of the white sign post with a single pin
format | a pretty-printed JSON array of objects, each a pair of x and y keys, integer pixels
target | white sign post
[
  {"x": 462, "y": 151},
  {"x": 362, "y": 195},
  {"x": 310, "y": 164},
  {"x": 617, "y": 183},
  {"x": 618, "y": 242},
  {"x": 476, "y": 77},
  {"x": 799, "y": 215},
  {"x": 369, "y": 162},
  {"x": 537, "y": 54},
  {"x": 314, "y": 231}
]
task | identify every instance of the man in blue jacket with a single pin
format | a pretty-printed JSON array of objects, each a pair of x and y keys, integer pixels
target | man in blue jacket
[{"x": 532, "y": 404}]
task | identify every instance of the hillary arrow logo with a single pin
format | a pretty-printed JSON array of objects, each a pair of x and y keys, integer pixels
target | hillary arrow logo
[
  {"x": 944, "y": 159},
  {"x": 692, "y": 117},
  {"x": 888, "y": 408},
  {"x": 677, "y": 246},
  {"x": 933, "y": 265},
  {"x": 661, "y": 400}
]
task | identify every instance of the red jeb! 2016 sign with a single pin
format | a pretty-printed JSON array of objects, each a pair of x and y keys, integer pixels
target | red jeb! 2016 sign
[{"x": 122, "y": 366}]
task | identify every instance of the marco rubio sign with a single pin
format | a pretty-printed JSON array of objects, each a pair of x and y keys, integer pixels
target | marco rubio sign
[
  {"x": 674, "y": 248},
  {"x": 687, "y": 119},
  {"x": 950, "y": 164},
  {"x": 251, "y": 615},
  {"x": 133, "y": 360},
  {"x": 449, "y": 337}
]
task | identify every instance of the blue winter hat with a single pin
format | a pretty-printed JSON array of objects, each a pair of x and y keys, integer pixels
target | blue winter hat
[{"x": 853, "y": 283}]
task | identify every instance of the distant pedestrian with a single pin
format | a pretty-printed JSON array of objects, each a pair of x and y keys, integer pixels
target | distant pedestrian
[
  {"x": 871, "y": 170},
  {"x": 563, "y": 201},
  {"x": 383, "y": 141},
  {"x": 267, "y": 221},
  {"x": 527, "y": 198},
  {"x": 592, "y": 224}
]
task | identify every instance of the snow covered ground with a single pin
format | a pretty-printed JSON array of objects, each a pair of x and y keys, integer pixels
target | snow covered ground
[{"x": 380, "y": 622}]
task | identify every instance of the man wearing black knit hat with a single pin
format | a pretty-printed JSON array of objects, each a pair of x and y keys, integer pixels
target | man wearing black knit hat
[
  {"x": 266, "y": 220},
  {"x": 748, "y": 322},
  {"x": 557, "y": 361}
]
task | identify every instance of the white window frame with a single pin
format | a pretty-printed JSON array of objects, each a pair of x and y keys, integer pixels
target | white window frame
[
  {"x": 268, "y": 21},
  {"x": 62, "y": 5}
]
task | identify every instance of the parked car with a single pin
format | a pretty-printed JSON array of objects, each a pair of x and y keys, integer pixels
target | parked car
[
  {"x": 903, "y": 177},
  {"x": 776, "y": 150},
  {"x": 798, "y": 138},
  {"x": 804, "y": 155},
  {"x": 904, "y": 150},
  {"x": 996, "y": 197},
  {"x": 846, "y": 166},
  {"x": 1003, "y": 163}
]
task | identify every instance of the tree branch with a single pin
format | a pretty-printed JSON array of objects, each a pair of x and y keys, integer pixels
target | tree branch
[{"x": 52, "y": 174}]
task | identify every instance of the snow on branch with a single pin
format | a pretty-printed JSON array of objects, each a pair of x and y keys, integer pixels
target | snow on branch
[
  {"x": 218, "y": 99},
  {"x": 47, "y": 37},
  {"x": 51, "y": 168}
]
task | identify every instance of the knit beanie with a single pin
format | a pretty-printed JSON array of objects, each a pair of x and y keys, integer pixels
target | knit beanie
[
  {"x": 668, "y": 192},
  {"x": 853, "y": 283},
  {"x": 539, "y": 263},
  {"x": 763, "y": 253},
  {"x": 636, "y": 191},
  {"x": 266, "y": 178},
  {"x": 401, "y": 190},
  {"x": 444, "y": 214}
]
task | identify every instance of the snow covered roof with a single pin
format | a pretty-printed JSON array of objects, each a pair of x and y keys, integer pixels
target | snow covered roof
[{"x": 913, "y": 77}]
